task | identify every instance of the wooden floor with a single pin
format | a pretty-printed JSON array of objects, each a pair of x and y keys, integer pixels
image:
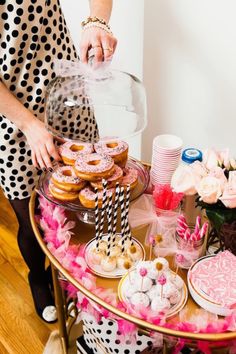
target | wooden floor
[{"x": 21, "y": 330}]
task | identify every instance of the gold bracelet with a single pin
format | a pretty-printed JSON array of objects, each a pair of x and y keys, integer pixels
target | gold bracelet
[{"x": 94, "y": 20}]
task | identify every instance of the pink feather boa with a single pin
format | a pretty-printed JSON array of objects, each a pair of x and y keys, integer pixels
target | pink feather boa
[{"x": 57, "y": 234}]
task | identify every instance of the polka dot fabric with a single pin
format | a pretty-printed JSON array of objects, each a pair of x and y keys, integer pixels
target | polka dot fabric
[
  {"x": 32, "y": 34},
  {"x": 104, "y": 337}
]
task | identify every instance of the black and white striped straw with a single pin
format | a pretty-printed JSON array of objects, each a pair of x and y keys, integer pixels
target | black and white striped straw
[
  {"x": 115, "y": 212},
  {"x": 96, "y": 218},
  {"x": 127, "y": 227},
  {"x": 122, "y": 207},
  {"x": 104, "y": 205},
  {"x": 109, "y": 225}
]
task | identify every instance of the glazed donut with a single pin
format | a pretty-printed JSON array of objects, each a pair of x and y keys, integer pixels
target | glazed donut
[
  {"x": 117, "y": 149},
  {"x": 111, "y": 181},
  {"x": 87, "y": 197},
  {"x": 62, "y": 195},
  {"x": 65, "y": 178},
  {"x": 130, "y": 177},
  {"x": 69, "y": 151},
  {"x": 92, "y": 167}
]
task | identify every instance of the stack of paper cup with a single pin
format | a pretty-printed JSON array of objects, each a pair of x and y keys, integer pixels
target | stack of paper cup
[{"x": 166, "y": 152}]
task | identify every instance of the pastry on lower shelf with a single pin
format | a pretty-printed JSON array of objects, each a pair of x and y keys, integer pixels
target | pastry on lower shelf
[{"x": 156, "y": 287}]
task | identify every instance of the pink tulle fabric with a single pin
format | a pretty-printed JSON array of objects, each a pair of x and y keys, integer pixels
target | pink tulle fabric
[{"x": 57, "y": 235}]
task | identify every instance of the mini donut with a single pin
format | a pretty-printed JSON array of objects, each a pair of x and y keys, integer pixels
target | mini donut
[
  {"x": 96, "y": 256},
  {"x": 160, "y": 304},
  {"x": 62, "y": 195},
  {"x": 121, "y": 260},
  {"x": 175, "y": 297},
  {"x": 143, "y": 284},
  {"x": 117, "y": 149},
  {"x": 92, "y": 167},
  {"x": 108, "y": 264},
  {"x": 87, "y": 197},
  {"x": 134, "y": 253},
  {"x": 65, "y": 178},
  {"x": 69, "y": 151},
  {"x": 102, "y": 246},
  {"x": 177, "y": 281},
  {"x": 112, "y": 180},
  {"x": 130, "y": 177},
  {"x": 115, "y": 251},
  {"x": 140, "y": 299},
  {"x": 163, "y": 261}
]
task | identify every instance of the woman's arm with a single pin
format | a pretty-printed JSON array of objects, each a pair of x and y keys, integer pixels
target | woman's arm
[
  {"x": 103, "y": 42},
  {"x": 40, "y": 141}
]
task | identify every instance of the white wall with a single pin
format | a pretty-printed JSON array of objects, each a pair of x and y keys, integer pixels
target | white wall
[
  {"x": 127, "y": 25},
  {"x": 190, "y": 71}
]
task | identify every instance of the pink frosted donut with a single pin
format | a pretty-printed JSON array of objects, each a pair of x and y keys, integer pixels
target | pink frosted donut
[
  {"x": 130, "y": 177},
  {"x": 62, "y": 195},
  {"x": 69, "y": 151},
  {"x": 111, "y": 181},
  {"x": 117, "y": 149},
  {"x": 65, "y": 178},
  {"x": 92, "y": 167},
  {"x": 87, "y": 197}
]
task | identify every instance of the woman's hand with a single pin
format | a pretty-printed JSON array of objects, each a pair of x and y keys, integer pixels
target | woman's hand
[
  {"x": 102, "y": 42},
  {"x": 41, "y": 144}
]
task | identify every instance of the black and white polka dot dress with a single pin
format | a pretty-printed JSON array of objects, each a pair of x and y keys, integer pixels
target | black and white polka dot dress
[{"x": 32, "y": 34}]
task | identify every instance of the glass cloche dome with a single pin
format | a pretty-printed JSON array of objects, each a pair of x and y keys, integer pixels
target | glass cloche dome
[{"x": 83, "y": 104}]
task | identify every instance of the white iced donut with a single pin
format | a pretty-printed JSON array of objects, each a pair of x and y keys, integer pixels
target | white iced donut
[
  {"x": 154, "y": 292},
  {"x": 168, "y": 289},
  {"x": 134, "y": 253},
  {"x": 143, "y": 283},
  {"x": 108, "y": 264},
  {"x": 160, "y": 304},
  {"x": 163, "y": 261},
  {"x": 175, "y": 297},
  {"x": 130, "y": 290},
  {"x": 140, "y": 299},
  {"x": 177, "y": 281}
]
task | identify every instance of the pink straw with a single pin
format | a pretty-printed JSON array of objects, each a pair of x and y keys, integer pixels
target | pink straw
[{"x": 197, "y": 225}]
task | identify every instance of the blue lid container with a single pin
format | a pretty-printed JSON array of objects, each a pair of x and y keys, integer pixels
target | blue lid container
[{"x": 190, "y": 155}]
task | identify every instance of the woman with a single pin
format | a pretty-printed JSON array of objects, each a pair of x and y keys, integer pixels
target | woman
[{"x": 32, "y": 34}]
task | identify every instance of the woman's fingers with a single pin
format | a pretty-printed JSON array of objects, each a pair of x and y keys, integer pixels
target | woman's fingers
[
  {"x": 40, "y": 160},
  {"x": 34, "y": 160},
  {"x": 45, "y": 157},
  {"x": 84, "y": 47},
  {"x": 102, "y": 43},
  {"x": 108, "y": 48},
  {"x": 98, "y": 51}
]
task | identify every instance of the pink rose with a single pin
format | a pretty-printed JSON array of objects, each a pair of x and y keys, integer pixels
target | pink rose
[
  {"x": 199, "y": 169},
  {"x": 218, "y": 173},
  {"x": 184, "y": 180},
  {"x": 209, "y": 189},
  {"x": 210, "y": 158},
  {"x": 229, "y": 194},
  {"x": 224, "y": 158}
]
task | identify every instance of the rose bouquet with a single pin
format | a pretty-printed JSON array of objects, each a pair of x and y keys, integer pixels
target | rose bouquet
[{"x": 214, "y": 182}]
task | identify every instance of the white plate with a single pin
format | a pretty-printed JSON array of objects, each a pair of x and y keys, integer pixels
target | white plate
[
  {"x": 125, "y": 283},
  {"x": 203, "y": 299},
  {"x": 96, "y": 268}
]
